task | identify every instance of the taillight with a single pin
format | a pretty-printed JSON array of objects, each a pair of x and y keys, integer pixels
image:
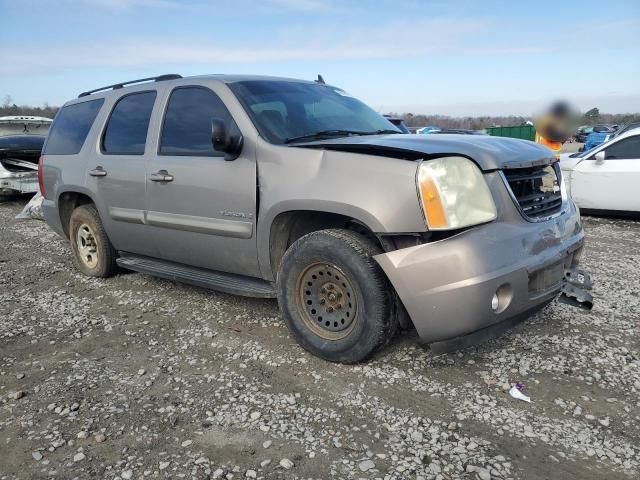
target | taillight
[{"x": 40, "y": 176}]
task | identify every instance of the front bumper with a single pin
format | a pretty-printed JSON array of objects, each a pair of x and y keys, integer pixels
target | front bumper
[
  {"x": 447, "y": 286},
  {"x": 18, "y": 182}
]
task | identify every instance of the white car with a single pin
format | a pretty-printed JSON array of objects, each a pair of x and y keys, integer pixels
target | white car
[{"x": 607, "y": 177}]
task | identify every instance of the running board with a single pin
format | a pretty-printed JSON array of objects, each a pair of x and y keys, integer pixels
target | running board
[{"x": 221, "y": 281}]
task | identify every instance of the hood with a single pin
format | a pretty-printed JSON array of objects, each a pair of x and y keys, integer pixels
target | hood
[{"x": 489, "y": 153}]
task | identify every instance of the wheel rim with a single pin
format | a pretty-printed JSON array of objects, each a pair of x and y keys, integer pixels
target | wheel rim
[
  {"x": 86, "y": 244},
  {"x": 327, "y": 301}
]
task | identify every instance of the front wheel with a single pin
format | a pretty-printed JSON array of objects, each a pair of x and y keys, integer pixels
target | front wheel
[{"x": 334, "y": 296}]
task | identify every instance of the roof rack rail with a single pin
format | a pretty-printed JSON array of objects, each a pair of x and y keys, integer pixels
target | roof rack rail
[{"x": 115, "y": 86}]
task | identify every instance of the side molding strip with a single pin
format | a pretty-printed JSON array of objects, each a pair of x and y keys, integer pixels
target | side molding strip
[
  {"x": 128, "y": 215},
  {"x": 210, "y": 226}
]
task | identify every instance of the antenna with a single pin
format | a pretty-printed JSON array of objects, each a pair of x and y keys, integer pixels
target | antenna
[{"x": 320, "y": 80}]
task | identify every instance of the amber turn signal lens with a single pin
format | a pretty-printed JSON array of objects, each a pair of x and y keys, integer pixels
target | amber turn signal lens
[{"x": 431, "y": 201}]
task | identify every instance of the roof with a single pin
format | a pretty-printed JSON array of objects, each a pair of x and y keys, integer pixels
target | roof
[
  {"x": 173, "y": 77},
  {"x": 231, "y": 78}
]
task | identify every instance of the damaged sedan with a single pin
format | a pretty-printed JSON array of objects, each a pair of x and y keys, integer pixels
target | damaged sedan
[{"x": 19, "y": 156}]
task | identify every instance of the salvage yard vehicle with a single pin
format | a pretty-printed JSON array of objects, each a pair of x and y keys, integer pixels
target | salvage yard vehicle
[
  {"x": 582, "y": 133},
  {"x": 598, "y": 136},
  {"x": 19, "y": 156},
  {"x": 24, "y": 125},
  {"x": 271, "y": 187},
  {"x": 605, "y": 179}
]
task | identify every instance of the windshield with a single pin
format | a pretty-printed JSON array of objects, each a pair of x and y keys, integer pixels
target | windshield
[{"x": 287, "y": 111}]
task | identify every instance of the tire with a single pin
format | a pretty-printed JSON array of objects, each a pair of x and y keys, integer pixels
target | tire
[
  {"x": 334, "y": 296},
  {"x": 92, "y": 250}
]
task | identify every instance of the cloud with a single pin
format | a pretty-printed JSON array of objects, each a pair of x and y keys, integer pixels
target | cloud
[
  {"x": 128, "y": 4},
  {"x": 228, "y": 5},
  {"x": 322, "y": 42},
  {"x": 401, "y": 38},
  {"x": 302, "y": 5}
]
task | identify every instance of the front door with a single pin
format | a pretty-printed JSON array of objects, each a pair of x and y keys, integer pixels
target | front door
[
  {"x": 117, "y": 172},
  {"x": 201, "y": 208},
  {"x": 612, "y": 183}
]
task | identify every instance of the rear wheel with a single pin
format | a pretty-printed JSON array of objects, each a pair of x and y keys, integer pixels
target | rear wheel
[
  {"x": 334, "y": 297},
  {"x": 93, "y": 253}
]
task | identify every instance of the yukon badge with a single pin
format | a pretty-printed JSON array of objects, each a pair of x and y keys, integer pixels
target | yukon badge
[{"x": 229, "y": 213}]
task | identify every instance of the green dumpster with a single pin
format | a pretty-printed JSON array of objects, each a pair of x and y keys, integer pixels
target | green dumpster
[{"x": 524, "y": 132}]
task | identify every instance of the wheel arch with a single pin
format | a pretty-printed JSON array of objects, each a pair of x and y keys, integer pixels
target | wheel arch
[
  {"x": 288, "y": 225},
  {"x": 68, "y": 201}
]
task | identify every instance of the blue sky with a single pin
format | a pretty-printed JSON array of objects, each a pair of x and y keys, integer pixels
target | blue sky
[{"x": 447, "y": 57}]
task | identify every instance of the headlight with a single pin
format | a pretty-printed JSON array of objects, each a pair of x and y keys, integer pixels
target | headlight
[{"x": 454, "y": 194}]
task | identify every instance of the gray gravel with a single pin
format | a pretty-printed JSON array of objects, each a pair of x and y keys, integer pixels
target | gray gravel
[{"x": 135, "y": 377}]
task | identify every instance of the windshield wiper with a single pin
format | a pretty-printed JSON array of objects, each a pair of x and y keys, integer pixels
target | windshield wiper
[
  {"x": 336, "y": 133},
  {"x": 381, "y": 132},
  {"x": 325, "y": 133}
]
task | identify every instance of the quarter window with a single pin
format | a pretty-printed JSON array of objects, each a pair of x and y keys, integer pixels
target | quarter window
[
  {"x": 624, "y": 149},
  {"x": 71, "y": 127},
  {"x": 187, "y": 122},
  {"x": 126, "y": 132}
]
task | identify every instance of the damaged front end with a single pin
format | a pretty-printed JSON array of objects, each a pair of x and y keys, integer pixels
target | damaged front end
[{"x": 19, "y": 163}]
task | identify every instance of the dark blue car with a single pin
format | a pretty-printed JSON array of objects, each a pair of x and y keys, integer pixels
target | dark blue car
[{"x": 599, "y": 135}]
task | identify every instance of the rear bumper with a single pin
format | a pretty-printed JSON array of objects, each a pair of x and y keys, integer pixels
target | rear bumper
[
  {"x": 447, "y": 286},
  {"x": 52, "y": 216}
]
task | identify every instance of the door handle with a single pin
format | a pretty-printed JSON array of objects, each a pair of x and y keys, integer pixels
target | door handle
[
  {"x": 98, "y": 172},
  {"x": 161, "y": 176}
]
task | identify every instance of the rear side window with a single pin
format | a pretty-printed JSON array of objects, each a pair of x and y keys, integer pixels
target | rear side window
[
  {"x": 71, "y": 127},
  {"x": 187, "y": 122},
  {"x": 629, "y": 148},
  {"x": 126, "y": 131}
]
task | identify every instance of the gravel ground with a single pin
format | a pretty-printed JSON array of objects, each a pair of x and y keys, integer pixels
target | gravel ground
[{"x": 136, "y": 377}]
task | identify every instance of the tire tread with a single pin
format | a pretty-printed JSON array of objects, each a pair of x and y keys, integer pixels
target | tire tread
[{"x": 363, "y": 249}]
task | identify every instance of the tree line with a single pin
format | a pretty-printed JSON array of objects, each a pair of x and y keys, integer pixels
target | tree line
[
  {"x": 9, "y": 108},
  {"x": 591, "y": 117}
]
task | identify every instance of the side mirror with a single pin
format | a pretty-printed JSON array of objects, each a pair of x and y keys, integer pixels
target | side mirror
[
  {"x": 600, "y": 156},
  {"x": 231, "y": 145}
]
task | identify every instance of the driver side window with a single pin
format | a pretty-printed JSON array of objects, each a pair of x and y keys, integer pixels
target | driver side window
[
  {"x": 186, "y": 129},
  {"x": 624, "y": 149}
]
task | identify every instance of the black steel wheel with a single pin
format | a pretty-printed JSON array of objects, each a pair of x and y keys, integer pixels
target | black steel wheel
[
  {"x": 326, "y": 300},
  {"x": 334, "y": 296}
]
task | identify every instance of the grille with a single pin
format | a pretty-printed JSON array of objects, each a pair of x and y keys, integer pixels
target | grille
[{"x": 536, "y": 190}]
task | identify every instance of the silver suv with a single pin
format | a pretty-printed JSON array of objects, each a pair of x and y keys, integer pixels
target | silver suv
[{"x": 272, "y": 187}]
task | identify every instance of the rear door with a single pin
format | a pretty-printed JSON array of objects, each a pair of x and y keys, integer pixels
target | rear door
[
  {"x": 612, "y": 183},
  {"x": 201, "y": 208},
  {"x": 117, "y": 172}
]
